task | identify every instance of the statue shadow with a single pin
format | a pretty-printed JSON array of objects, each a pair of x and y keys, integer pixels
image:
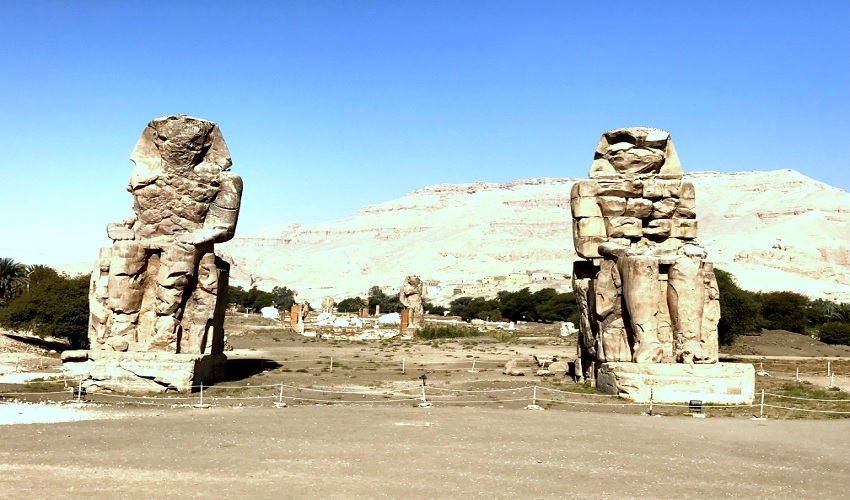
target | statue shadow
[
  {"x": 242, "y": 368},
  {"x": 39, "y": 342}
]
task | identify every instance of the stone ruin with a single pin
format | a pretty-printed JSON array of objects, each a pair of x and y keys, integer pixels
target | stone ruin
[
  {"x": 648, "y": 299},
  {"x": 410, "y": 297},
  {"x": 158, "y": 294}
]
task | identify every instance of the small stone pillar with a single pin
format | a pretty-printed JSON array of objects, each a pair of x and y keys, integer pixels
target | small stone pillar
[{"x": 294, "y": 314}]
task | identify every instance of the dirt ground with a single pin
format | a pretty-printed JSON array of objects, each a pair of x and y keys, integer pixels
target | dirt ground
[
  {"x": 352, "y": 429},
  {"x": 375, "y": 452}
]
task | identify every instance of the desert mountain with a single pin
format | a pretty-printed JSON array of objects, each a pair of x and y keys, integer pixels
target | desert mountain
[{"x": 776, "y": 230}]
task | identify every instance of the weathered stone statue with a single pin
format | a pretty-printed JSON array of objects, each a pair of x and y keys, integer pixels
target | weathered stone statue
[
  {"x": 645, "y": 292},
  {"x": 410, "y": 297},
  {"x": 160, "y": 287}
]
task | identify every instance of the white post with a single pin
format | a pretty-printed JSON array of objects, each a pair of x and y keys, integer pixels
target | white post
[
  {"x": 534, "y": 397},
  {"x": 16, "y": 364},
  {"x": 402, "y": 366},
  {"x": 650, "y": 400},
  {"x": 797, "y": 376},
  {"x": 424, "y": 401},
  {"x": 332, "y": 363},
  {"x": 202, "y": 393},
  {"x": 473, "y": 364},
  {"x": 828, "y": 368},
  {"x": 761, "y": 406},
  {"x": 280, "y": 396}
]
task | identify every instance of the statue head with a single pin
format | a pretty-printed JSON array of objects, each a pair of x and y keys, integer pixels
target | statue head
[
  {"x": 179, "y": 143},
  {"x": 633, "y": 152}
]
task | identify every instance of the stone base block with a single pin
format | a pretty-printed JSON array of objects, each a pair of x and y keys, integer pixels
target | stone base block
[
  {"x": 142, "y": 372},
  {"x": 719, "y": 383}
]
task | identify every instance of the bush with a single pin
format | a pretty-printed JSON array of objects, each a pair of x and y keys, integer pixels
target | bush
[
  {"x": 835, "y": 333},
  {"x": 740, "y": 313},
  {"x": 785, "y": 311},
  {"x": 55, "y": 306},
  {"x": 446, "y": 332}
]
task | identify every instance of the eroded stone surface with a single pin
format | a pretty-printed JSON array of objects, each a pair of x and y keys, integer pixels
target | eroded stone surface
[
  {"x": 718, "y": 383},
  {"x": 160, "y": 287},
  {"x": 410, "y": 297},
  {"x": 645, "y": 292}
]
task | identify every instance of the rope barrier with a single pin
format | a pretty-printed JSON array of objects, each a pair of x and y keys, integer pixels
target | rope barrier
[
  {"x": 808, "y": 410},
  {"x": 580, "y": 393},
  {"x": 808, "y": 399}
]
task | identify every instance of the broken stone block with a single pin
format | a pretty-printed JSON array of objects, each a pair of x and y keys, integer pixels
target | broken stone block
[
  {"x": 628, "y": 188},
  {"x": 664, "y": 208},
  {"x": 619, "y": 227},
  {"x": 683, "y": 228},
  {"x": 657, "y": 227},
  {"x": 584, "y": 206},
  {"x": 611, "y": 206},
  {"x": 588, "y": 247},
  {"x": 590, "y": 226},
  {"x": 638, "y": 207}
]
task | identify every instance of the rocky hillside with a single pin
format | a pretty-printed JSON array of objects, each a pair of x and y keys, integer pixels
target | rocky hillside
[{"x": 773, "y": 230}]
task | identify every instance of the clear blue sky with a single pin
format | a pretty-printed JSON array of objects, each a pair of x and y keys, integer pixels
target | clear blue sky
[{"x": 327, "y": 106}]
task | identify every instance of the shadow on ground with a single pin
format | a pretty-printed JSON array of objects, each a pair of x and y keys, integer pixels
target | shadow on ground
[
  {"x": 242, "y": 368},
  {"x": 39, "y": 342}
]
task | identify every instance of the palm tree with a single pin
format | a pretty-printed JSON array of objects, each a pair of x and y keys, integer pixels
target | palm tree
[{"x": 12, "y": 275}]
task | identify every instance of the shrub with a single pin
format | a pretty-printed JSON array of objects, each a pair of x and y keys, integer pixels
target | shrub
[
  {"x": 740, "y": 313},
  {"x": 785, "y": 311},
  {"x": 446, "y": 332},
  {"x": 835, "y": 333},
  {"x": 54, "y": 307}
]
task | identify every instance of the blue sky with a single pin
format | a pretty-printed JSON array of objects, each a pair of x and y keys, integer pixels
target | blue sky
[{"x": 327, "y": 106}]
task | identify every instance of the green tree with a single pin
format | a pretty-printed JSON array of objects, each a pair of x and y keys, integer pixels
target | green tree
[
  {"x": 518, "y": 306},
  {"x": 433, "y": 309},
  {"x": 740, "y": 312},
  {"x": 388, "y": 303},
  {"x": 283, "y": 297},
  {"x": 558, "y": 307},
  {"x": 351, "y": 304},
  {"x": 55, "y": 307},
  {"x": 785, "y": 311},
  {"x": 12, "y": 276},
  {"x": 834, "y": 333}
]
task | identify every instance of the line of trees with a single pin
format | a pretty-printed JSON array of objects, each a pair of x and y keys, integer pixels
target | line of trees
[
  {"x": 39, "y": 299},
  {"x": 546, "y": 305}
]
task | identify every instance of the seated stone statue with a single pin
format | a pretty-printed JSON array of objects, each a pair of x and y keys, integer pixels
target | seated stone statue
[
  {"x": 645, "y": 292},
  {"x": 160, "y": 286},
  {"x": 410, "y": 297}
]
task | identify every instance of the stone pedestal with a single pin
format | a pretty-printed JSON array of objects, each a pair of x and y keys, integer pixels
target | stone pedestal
[
  {"x": 142, "y": 372},
  {"x": 718, "y": 383}
]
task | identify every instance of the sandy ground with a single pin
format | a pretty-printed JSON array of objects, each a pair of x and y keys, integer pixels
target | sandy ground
[
  {"x": 488, "y": 450},
  {"x": 369, "y": 452}
]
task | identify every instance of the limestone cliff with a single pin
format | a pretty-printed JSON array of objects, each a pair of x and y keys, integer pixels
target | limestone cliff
[{"x": 774, "y": 230}]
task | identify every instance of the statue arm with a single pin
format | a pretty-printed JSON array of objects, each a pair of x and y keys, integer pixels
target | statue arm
[{"x": 220, "y": 223}]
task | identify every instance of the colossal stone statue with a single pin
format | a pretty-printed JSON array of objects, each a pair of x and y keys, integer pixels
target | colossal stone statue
[
  {"x": 410, "y": 297},
  {"x": 160, "y": 287},
  {"x": 645, "y": 292}
]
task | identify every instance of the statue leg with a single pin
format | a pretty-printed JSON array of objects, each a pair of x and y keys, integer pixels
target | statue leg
[
  {"x": 612, "y": 342},
  {"x": 686, "y": 300},
  {"x": 641, "y": 293},
  {"x": 200, "y": 308},
  {"x": 176, "y": 272},
  {"x": 124, "y": 292}
]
